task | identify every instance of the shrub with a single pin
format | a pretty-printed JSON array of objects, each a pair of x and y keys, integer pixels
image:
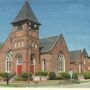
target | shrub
[
  {"x": 24, "y": 75},
  {"x": 63, "y": 75},
  {"x": 75, "y": 75},
  {"x": 87, "y": 75},
  {"x": 52, "y": 75},
  {"x": 42, "y": 73},
  {"x": 37, "y": 74},
  {"x": 58, "y": 77},
  {"x": 4, "y": 75}
]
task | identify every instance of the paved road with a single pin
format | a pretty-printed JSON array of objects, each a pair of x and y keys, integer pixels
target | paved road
[{"x": 82, "y": 85}]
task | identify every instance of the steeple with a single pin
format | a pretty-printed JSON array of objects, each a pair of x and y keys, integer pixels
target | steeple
[{"x": 26, "y": 13}]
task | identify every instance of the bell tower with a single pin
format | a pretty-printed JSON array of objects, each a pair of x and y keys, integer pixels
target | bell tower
[{"x": 26, "y": 40}]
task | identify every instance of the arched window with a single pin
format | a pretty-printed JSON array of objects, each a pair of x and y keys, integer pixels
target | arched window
[
  {"x": 32, "y": 60},
  {"x": 19, "y": 60},
  {"x": 61, "y": 63},
  {"x": 8, "y": 61}
]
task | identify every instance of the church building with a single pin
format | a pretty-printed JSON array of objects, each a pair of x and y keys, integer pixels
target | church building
[{"x": 24, "y": 51}]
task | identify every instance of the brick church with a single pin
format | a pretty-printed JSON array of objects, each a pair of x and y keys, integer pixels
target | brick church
[{"x": 23, "y": 51}]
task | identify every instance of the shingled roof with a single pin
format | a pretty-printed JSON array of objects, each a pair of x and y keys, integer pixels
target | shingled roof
[
  {"x": 46, "y": 44},
  {"x": 26, "y": 13},
  {"x": 74, "y": 55}
]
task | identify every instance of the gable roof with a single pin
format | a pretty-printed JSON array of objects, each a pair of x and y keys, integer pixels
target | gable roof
[
  {"x": 26, "y": 13},
  {"x": 46, "y": 44},
  {"x": 74, "y": 55}
]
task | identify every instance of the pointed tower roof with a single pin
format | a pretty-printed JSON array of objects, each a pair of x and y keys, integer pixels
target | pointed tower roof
[{"x": 26, "y": 13}]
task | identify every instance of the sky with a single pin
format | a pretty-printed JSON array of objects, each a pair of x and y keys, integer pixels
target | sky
[{"x": 69, "y": 17}]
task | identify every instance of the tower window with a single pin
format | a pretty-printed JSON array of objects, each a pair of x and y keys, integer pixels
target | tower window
[
  {"x": 84, "y": 61},
  {"x": 18, "y": 44},
  {"x": 15, "y": 45},
  {"x": 35, "y": 26},
  {"x": 32, "y": 43},
  {"x": 22, "y": 43},
  {"x": 36, "y": 46},
  {"x": 19, "y": 27}
]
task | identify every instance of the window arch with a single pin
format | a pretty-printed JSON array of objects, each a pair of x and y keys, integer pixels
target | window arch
[
  {"x": 32, "y": 60},
  {"x": 19, "y": 59},
  {"x": 61, "y": 62},
  {"x": 8, "y": 61}
]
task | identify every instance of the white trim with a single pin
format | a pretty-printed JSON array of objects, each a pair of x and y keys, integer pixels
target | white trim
[
  {"x": 43, "y": 64},
  {"x": 15, "y": 45},
  {"x": 79, "y": 68},
  {"x": 8, "y": 62},
  {"x": 22, "y": 43},
  {"x": 18, "y": 64},
  {"x": 61, "y": 59}
]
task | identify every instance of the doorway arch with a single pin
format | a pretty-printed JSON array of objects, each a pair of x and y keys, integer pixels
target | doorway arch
[{"x": 19, "y": 64}]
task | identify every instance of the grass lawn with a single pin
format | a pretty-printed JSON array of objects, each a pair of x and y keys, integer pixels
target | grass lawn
[{"x": 50, "y": 83}]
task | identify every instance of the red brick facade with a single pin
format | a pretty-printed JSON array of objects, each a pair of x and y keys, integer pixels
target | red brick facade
[{"x": 23, "y": 42}]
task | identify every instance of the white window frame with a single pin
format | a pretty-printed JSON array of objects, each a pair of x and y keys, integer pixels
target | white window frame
[
  {"x": 15, "y": 45},
  {"x": 43, "y": 65},
  {"x": 33, "y": 44},
  {"x": 19, "y": 44},
  {"x": 60, "y": 60},
  {"x": 84, "y": 61},
  {"x": 8, "y": 62},
  {"x": 36, "y": 46},
  {"x": 79, "y": 68},
  {"x": 19, "y": 61},
  {"x": 22, "y": 43}
]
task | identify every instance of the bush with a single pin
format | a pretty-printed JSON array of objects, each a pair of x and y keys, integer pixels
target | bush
[
  {"x": 52, "y": 76},
  {"x": 24, "y": 75},
  {"x": 63, "y": 75},
  {"x": 58, "y": 77},
  {"x": 75, "y": 75},
  {"x": 37, "y": 74},
  {"x": 87, "y": 75},
  {"x": 42, "y": 73},
  {"x": 4, "y": 75}
]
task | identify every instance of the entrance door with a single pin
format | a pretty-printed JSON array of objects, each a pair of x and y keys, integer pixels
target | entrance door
[
  {"x": 32, "y": 69},
  {"x": 19, "y": 65},
  {"x": 19, "y": 69}
]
